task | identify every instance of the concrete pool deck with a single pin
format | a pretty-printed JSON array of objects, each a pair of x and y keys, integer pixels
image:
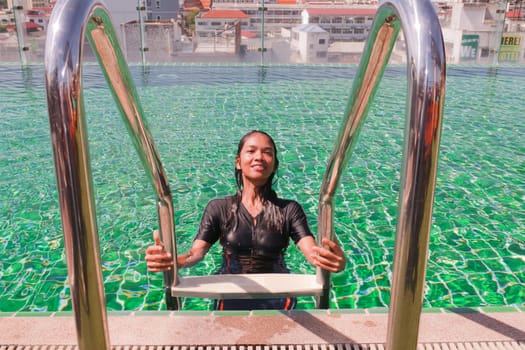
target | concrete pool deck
[{"x": 151, "y": 329}]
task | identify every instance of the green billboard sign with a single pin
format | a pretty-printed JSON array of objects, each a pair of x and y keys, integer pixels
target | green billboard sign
[{"x": 469, "y": 47}]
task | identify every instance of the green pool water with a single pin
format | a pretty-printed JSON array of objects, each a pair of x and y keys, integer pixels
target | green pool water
[{"x": 197, "y": 113}]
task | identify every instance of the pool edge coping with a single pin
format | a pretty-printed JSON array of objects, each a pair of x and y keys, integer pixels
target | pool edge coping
[{"x": 180, "y": 313}]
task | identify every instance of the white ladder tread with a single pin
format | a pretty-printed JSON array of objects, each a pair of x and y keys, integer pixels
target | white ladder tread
[{"x": 247, "y": 286}]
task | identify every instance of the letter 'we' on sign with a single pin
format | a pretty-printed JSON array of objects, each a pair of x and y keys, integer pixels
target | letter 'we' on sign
[{"x": 469, "y": 47}]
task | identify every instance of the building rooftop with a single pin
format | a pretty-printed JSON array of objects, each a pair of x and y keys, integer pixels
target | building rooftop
[
  {"x": 310, "y": 27},
  {"x": 225, "y": 14},
  {"x": 343, "y": 12}
]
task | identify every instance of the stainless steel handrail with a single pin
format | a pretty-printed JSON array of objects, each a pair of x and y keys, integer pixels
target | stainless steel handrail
[
  {"x": 71, "y": 19},
  {"x": 426, "y": 91},
  {"x": 426, "y": 76}
]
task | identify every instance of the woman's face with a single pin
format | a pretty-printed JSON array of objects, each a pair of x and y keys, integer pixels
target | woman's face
[{"x": 256, "y": 160}]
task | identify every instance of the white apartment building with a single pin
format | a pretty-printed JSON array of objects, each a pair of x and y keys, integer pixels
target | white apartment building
[
  {"x": 6, "y": 18},
  {"x": 222, "y": 23},
  {"x": 276, "y": 16},
  {"x": 343, "y": 24},
  {"x": 39, "y": 16},
  {"x": 219, "y": 30},
  {"x": 29, "y": 4},
  {"x": 475, "y": 31},
  {"x": 309, "y": 42}
]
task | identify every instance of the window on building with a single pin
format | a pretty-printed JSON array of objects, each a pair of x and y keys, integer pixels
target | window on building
[
  {"x": 359, "y": 20},
  {"x": 337, "y": 20},
  {"x": 322, "y": 41},
  {"x": 157, "y": 4},
  {"x": 485, "y": 52},
  {"x": 321, "y": 54},
  {"x": 215, "y": 24}
]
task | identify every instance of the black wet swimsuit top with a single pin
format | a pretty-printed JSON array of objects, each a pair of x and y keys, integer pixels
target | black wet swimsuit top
[{"x": 253, "y": 246}]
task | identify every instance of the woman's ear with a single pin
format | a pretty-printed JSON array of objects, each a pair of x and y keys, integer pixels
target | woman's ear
[{"x": 237, "y": 163}]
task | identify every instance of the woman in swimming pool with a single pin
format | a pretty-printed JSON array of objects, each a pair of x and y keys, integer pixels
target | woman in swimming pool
[{"x": 254, "y": 227}]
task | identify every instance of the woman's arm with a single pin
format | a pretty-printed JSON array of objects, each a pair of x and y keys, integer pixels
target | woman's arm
[
  {"x": 159, "y": 260},
  {"x": 329, "y": 257},
  {"x": 195, "y": 255}
]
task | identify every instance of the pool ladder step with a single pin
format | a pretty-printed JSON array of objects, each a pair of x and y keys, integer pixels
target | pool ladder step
[
  {"x": 247, "y": 286},
  {"x": 509, "y": 345}
]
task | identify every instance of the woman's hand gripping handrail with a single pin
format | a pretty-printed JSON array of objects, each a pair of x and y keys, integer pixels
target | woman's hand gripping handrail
[
  {"x": 426, "y": 91},
  {"x": 71, "y": 19}
]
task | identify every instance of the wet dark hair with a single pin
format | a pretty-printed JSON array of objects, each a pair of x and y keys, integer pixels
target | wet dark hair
[{"x": 266, "y": 191}]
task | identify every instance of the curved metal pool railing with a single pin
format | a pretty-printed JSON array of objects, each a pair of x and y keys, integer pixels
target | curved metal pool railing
[
  {"x": 69, "y": 22},
  {"x": 426, "y": 91},
  {"x": 426, "y": 72}
]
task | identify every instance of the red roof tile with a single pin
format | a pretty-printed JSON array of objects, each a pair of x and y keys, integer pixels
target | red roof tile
[
  {"x": 225, "y": 14},
  {"x": 27, "y": 25},
  {"x": 513, "y": 14},
  {"x": 248, "y": 35},
  {"x": 31, "y": 25}
]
